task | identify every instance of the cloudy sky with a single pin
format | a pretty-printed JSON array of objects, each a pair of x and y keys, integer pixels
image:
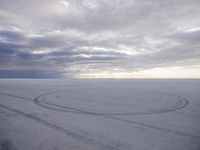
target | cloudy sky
[{"x": 100, "y": 38}]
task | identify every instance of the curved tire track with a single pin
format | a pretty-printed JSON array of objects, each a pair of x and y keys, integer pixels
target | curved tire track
[
  {"x": 181, "y": 103},
  {"x": 104, "y": 116}
]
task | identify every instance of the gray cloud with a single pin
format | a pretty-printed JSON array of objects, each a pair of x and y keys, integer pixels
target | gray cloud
[{"x": 98, "y": 35}]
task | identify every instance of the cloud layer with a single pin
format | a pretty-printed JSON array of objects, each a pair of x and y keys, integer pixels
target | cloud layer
[{"x": 71, "y": 38}]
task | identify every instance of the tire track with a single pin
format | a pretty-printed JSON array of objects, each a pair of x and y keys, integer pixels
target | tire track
[
  {"x": 36, "y": 101},
  {"x": 65, "y": 108},
  {"x": 80, "y": 112},
  {"x": 19, "y": 97},
  {"x": 181, "y": 103},
  {"x": 175, "y": 132},
  {"x": 67, "y": 132}
]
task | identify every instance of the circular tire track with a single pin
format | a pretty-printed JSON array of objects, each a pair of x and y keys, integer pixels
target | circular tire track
[
  {"x": 63, "y": 130},
  {"x": 179, "y": 104}
]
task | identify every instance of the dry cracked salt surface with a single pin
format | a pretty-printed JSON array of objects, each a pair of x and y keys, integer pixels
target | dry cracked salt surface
[{"x": 56, "y": 114}]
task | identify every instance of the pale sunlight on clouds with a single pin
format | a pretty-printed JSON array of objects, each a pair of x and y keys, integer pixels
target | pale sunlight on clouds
[{"x": 101, "y": 38}]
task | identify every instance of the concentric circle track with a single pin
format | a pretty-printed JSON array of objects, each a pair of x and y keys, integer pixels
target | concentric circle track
[{"x": 179, "y": 103}]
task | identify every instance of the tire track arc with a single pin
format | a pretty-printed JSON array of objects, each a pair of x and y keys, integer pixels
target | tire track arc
[{"x": 180, "y": 103}]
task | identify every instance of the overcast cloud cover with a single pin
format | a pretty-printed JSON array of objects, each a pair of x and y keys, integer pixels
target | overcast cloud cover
[{"x": 99, "y": 38}]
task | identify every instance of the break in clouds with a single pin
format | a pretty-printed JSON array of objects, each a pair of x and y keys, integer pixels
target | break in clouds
[{"x": 74, "y": 38}]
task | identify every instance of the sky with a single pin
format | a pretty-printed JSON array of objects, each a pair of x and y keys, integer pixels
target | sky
[{"x": 100, "y": 38}]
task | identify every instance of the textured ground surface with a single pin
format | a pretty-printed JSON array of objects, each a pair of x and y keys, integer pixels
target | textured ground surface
[{"x": 99, "y": 114}]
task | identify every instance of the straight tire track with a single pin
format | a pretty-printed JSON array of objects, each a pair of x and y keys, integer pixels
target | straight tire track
[
  {"x": 72, "y": 134},
  {"x": 20, "y": 97},
  {"x": 115, "y": 118}
]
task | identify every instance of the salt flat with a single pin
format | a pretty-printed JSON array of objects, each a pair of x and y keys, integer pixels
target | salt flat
[{"x": 58, "y": 114}]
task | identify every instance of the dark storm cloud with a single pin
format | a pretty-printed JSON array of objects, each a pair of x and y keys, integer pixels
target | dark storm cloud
[
  {"x": 75, "y": 36},
  {"x": 13, "y": 54},
  {"x": 29, "y": 74},
  {"x": 11, "y": 35},
  {"x": 8, "y": 48}
]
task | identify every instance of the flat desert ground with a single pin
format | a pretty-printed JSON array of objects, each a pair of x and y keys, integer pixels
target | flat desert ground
[{"x": 99, "y": 114}]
